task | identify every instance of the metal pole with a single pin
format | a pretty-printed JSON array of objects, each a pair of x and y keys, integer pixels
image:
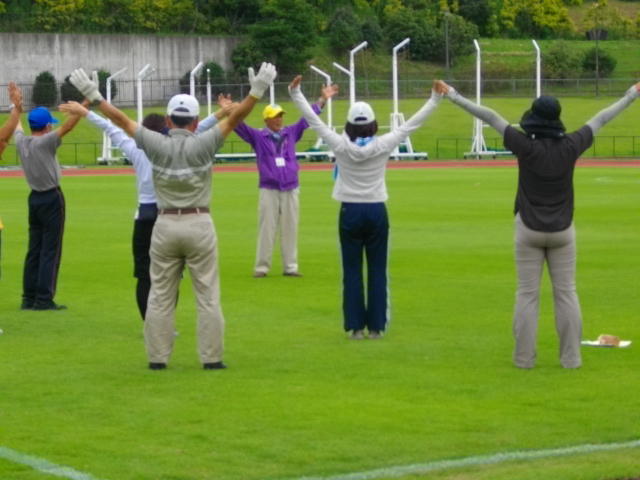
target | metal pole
[
  {"x": 538, "y": 69},
  {"x": 272, "y": 94},
  {"x": 145, "y": 72},
  {"x": 329, "y": 104},
  {"x": 352, "y": 93},
  {"x": 352, "y": 67},
  {"x": 192, "y": 78},
  {"x": 395, "y": 73},
  {"x": 208, "y": 91},
  {"x": 106, "y": 139},
  {"x": 446, "y": 42}
]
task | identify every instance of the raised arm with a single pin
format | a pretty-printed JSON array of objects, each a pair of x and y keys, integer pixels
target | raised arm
[
  {"x": 331, "y": 138},
  {"x": 391, "y": 140},
  {"x": 117, "y": 135},
  {"x": 226, "y": 107},
  {"x": 89, "y": 89},
  {"x": 259, "y": 83},
  {"x": 609, "y": 113},
  {"x": 485, "y": 114},
  {"x": 15, "y": 96},
  {"x": 72, "y": 120}
]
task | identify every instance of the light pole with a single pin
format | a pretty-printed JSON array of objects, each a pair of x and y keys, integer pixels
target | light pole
[
  {"x": 597, "y": 52},
  {"x": 446, "y": 42}
]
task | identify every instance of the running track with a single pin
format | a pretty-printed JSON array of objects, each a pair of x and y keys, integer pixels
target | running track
[{"x": 251, "y": 167}]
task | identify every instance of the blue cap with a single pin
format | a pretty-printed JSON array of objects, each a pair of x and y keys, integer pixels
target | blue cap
[{"x": 40, "y": 117}]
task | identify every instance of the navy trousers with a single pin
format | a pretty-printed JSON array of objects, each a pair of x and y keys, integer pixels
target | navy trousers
[
  {"x": 142, "y": 231},
  {"x": 46, "y": 226},
  {"x": 364, "y": 231}
]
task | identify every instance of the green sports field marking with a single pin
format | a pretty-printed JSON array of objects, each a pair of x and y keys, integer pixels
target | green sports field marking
[
  {"x": 43, "y": 465},
  {"x": 401, "y": 471}
]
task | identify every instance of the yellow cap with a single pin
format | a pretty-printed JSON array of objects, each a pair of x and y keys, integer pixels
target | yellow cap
[{"x": 272, "y": 111}]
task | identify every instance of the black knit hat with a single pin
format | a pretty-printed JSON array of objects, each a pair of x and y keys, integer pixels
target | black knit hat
[{"x": 543, "y": 118}]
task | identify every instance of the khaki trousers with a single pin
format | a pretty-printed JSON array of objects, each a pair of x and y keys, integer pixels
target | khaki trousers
[
  {"x": 178, "y": 240},
  {"x": 278, "y": 208},
  {"x": 532, "y": 248}
]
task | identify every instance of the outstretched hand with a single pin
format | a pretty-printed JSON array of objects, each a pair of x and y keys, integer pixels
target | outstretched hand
[
  {"x": 15, "y": 95},
  {"x": 328, "y": 92},
  {"x": 296, "y": 82},
  {"x": 73, "y": 108},
  {"x": 637, "y": 85},
  {"x": 87, "y": 86},
  {"x": 262, "y": 80},
  {"x": 441, "y": 87}
]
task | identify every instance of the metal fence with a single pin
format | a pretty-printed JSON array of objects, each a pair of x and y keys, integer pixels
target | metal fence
[
  {"x": 157, "y": 91},
  {"x": 445, "y": 149}
]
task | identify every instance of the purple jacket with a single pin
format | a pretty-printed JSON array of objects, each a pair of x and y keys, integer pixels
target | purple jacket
[{"x": 271, "y": 176}]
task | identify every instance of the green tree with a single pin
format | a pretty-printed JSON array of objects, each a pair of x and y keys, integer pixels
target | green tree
[
  {"x": 68, "y": 92},
  {"x": 237, "y": 13},
  {"x": 102, "y": 84},
  {"x": 245, "y": 55},
  {"x": 606, "y": 62},
  {"x": 561, "y": 61},
  {"x": 535, "y": 18},
  {"x": 479, "y": 12},
  {"x": 461, "y": 35},
  {"x": 425, "y": 36},
  {"x": 372, "y": 32},
  {"x": 344, "y": 30},
  {"x": 44, "y": 89},
  {"x": 285, "y": 34},
  {"x": 602, "y": 15}
]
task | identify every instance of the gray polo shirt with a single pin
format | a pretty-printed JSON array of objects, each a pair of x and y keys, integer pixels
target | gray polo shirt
[
  {"x": 39, "y": 161},
  {"x": 181, "y": 164}
]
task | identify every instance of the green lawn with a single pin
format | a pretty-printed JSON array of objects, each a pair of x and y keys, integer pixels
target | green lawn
[
  {"x": 299, "y": 398},
  {"x": 446, "y": 134}
]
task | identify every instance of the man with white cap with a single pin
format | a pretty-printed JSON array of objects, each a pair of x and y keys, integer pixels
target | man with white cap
[
  {"x": 184, "y": 232},
  {"x": 275, "y": 147},
  {"x": 37, "y": 154}
]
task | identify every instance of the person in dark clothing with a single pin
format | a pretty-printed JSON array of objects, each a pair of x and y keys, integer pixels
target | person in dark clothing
[
  {"x": 37, "y": 154},
  {"x": 544, "y": 215}
]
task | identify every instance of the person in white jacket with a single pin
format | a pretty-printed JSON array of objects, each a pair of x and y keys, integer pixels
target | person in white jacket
[
  {"x": 361, "y": 159},
  {"x": 147, "y": 211}
]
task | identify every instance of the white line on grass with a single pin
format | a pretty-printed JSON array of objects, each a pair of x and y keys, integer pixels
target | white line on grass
[
  {"x": 419, "y": 468},
  {"x": 43, "y": 465}
]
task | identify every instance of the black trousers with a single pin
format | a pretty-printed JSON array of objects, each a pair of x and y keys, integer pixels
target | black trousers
[
  {"x": 142, "y": 231},
  {"x": 46, "y": 227},
  {"x": 364, "y": 231}
]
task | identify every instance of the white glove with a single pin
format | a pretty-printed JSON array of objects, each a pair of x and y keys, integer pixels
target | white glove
[
  {"x": 263, "y": 80},
  {"x": 87, "y": 87}
]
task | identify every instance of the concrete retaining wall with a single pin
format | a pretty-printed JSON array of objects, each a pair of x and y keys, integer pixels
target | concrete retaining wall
[{"x": 25, "y": 55}]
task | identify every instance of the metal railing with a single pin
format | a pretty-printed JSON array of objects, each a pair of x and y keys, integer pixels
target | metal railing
[
  {"x": 157, "y": 91},
  {"x": 608, "y": 146}
]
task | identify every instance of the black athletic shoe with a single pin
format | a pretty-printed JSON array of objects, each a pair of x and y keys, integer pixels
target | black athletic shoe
[
  {"x": 214, "y": 366},
  {"x": 50, "y": 305},
  {"x": 157, "y": 366},
  {"x": 27, "y": 304}
]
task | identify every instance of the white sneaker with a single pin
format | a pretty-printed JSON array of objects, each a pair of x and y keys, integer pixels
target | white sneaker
[
  {"x": 356, "y": 335},
  {"x": 374, "y": 334}
]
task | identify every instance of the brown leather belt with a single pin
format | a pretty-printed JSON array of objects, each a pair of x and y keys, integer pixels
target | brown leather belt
[{"x": 182, "y": 211}]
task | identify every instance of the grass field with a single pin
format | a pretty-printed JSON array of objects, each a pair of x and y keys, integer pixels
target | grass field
[
  {"x": 299, "y": 399},
  {"x": 446, "y": 134}
]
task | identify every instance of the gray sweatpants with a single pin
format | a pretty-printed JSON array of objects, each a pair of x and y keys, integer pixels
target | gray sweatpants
[
  {"x": 532, "y": 248},
  {"x": 278, "y": 208}
]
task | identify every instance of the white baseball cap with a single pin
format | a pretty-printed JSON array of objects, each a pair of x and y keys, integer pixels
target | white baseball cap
[
  {"x": 360, "y": 113},
  {"x": 183, "y": 105}
]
